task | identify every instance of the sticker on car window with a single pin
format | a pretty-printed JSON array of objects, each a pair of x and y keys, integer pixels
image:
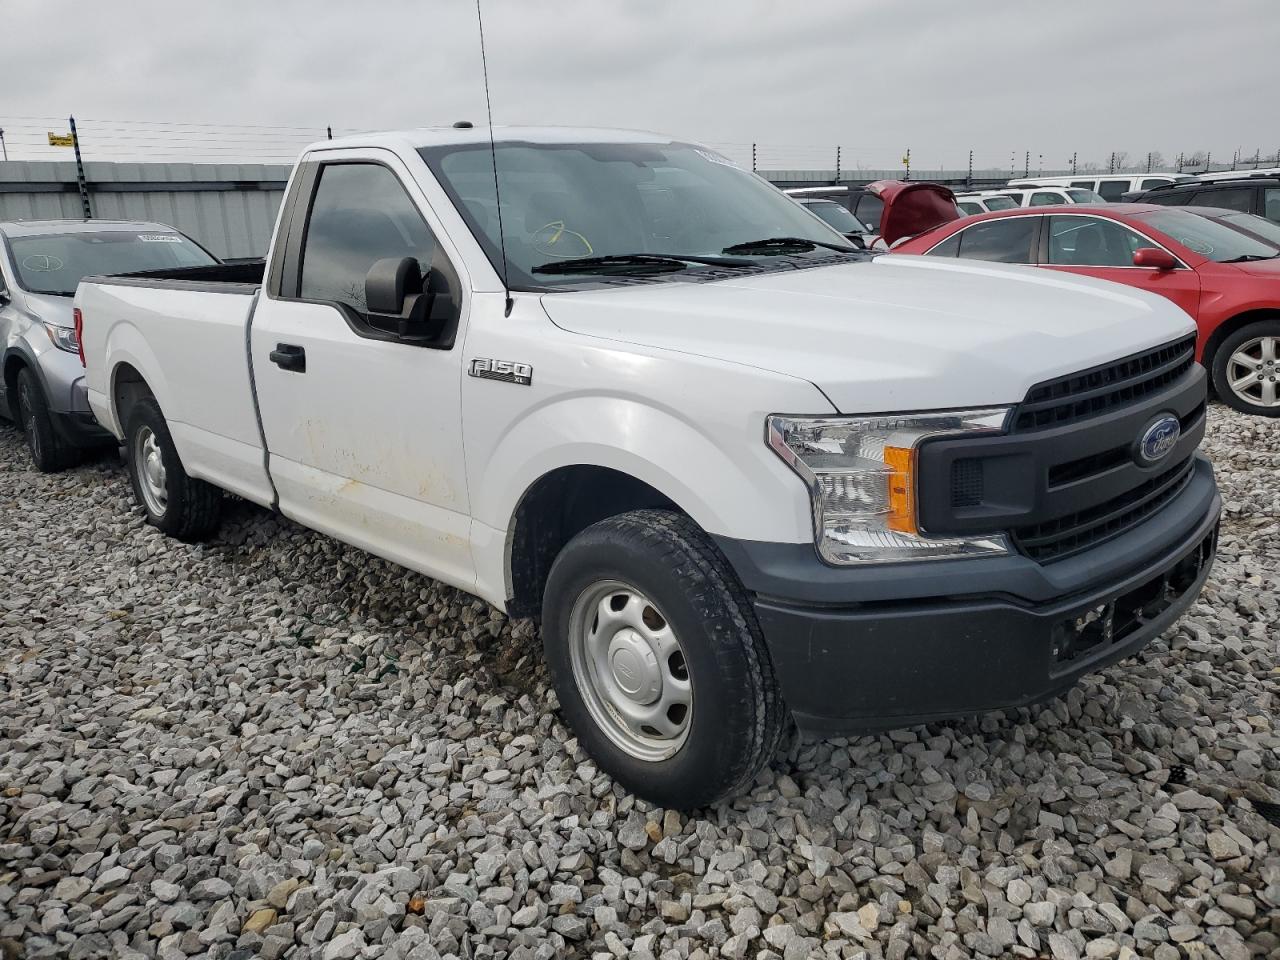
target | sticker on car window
[
  {"x": 159, "y": 238},
  {"x": 41, "y": 263}
]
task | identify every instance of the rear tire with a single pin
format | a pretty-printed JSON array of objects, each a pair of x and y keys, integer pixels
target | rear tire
[
  {"x": 49, "y": 451},
  {"x": 645, "y": 602},
  {"x": 1246, "y": 369},
  {"x": 174, "y": 502}
]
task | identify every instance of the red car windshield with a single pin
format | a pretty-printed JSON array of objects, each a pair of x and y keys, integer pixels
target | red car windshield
[{"x": 1210, "y": 237}]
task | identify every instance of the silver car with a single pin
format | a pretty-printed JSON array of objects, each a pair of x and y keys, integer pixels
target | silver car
[{"x": 41, "y": 262}]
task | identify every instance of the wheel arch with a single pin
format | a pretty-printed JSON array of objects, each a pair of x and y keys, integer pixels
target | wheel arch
[
  {"x": 556, "y": 507},
  {"x": 1230, "y": 326}
]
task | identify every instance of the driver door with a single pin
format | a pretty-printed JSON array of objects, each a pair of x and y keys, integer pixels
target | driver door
[{"x": 363, "y": 429}]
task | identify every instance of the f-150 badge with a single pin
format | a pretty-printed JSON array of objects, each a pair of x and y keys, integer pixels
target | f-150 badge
[{"x": 509, "y": 371}]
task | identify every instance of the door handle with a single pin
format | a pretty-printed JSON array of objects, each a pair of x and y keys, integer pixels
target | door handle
[{"x": 289, "y": 356}]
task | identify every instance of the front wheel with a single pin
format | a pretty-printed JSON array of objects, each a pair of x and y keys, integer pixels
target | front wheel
[
  {"x": 49, "y": 452},
  {"x": 176, "y": 503},
  {"x": 1246, "y": 369},
  {"x": 659, "y": 664}
]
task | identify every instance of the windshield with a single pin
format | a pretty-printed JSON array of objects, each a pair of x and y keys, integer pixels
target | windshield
[
  {"x": 834, "y": 215},
  {"x": 55, "y": 263},
  {"x": 1000, "y": 203},
  {"x": 567, "y": 201},
  {"x": 1260, "y": 227},
  {"x": 1210, "y": 238},
  {"x": 1085, "y": 196}
]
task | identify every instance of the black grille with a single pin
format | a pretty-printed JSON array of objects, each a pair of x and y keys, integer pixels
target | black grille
[
  {"x": 1099, "y": 389},
  {"x": 967, "y": 486},
  {"x": 1067, "y": 535}
]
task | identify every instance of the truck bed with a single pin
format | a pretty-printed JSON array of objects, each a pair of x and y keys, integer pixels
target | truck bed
[{"x": 242, "y": 276}]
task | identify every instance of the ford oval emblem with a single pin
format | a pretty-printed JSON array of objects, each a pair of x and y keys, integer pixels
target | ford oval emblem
[{"x": 1159, "y": 437}]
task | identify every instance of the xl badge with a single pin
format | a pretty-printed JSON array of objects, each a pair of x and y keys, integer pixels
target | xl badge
[
  {"x": 509, "y": 371},
  {"x": 1158, "y": 439}
]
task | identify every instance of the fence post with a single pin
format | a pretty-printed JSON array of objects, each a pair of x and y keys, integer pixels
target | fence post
[
  {"x": 1111, "y": 166},
  {"x": 1148, "y": 161},
  {"x": 753, "y": 158},
  {"x": 1208, "y": 159},
  {"x": 837, "y": 164},
  {"x": 84, "y": 189},
  {"x": 906, "y": 160},
  {"x": 328, "y": 132},
  {"x": 968, "y": 180},
  {"x": 3, "y": 148},
  {"x": 1026, "y": 164}
]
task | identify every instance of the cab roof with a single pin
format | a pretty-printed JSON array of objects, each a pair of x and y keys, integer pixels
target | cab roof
[{"x": 479, "y": 134}]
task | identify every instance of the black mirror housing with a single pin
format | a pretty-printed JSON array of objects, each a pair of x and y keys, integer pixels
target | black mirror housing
[
  {"x": 389, "y": 283},
  {"x": 416, "y": 309}
]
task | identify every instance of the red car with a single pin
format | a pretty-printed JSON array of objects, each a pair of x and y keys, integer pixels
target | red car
[{"x": 1221, "y": 266}]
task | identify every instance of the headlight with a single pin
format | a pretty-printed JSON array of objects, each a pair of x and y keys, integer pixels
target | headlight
[
  {"x": 862, "y": 477},
  {"x": 64, "y": 338}
]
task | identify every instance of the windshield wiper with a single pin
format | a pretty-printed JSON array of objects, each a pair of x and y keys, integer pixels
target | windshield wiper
[
  {"x": 786, "y": 245},
  {"x": 1250, "y": 257},
  {"x": 620, "y": 262}
]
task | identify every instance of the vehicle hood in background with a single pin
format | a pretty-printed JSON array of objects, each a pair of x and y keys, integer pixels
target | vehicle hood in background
[
  {"x": 912, "y": 208},
  {"x": 893, "y": 333},
  {"x": 50, "y": 309},
  {"x": 1267, "y": 269}
]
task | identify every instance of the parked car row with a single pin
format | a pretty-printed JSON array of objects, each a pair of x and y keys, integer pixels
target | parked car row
[{"x": 744, "y": 473}]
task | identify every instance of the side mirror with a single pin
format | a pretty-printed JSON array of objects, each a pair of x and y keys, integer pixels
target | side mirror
[
  {"x": 1153, "y": 258},
  {"x": 401, "y": 301}
]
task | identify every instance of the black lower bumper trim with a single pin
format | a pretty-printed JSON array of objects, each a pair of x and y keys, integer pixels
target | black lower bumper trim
[
  {"x": 877, "y": 666},
  {"x": 80, "y": 429}
]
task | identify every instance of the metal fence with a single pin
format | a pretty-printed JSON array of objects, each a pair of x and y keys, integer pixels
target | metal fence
[{"x": 228, "y": 207}]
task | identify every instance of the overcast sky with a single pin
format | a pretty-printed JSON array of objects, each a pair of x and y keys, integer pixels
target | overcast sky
[{"x": 938, "y": 76}]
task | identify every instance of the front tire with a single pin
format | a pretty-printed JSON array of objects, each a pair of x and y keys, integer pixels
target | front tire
[
  {"x": 1246, "y": 369},
  {"x": 49, "y": 451},
  {"x": 658, "y": 661},
  {"x": 174, "y": 502}
]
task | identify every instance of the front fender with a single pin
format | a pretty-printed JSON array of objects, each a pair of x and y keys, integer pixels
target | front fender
[{"x": 729, "y": 484}]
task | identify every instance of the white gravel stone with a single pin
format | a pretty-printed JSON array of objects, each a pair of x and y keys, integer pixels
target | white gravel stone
[{"x": 194, "y": 734}]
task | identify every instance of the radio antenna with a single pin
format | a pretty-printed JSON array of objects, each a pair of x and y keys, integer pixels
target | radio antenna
[{"x": 493, "y": 156}]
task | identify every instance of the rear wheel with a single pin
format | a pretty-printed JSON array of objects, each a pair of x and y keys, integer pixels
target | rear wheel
[
  {"x": 49, "y": 451},
  {"x": 658, "y": 661},
  {"x": 1246, "y": 369},
  {"x": 176, "y": 503}
]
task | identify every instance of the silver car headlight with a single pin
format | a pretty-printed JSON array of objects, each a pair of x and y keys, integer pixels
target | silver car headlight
[
  {"x": 863, "y": 480},
  {"x": 64, "y": 338}
]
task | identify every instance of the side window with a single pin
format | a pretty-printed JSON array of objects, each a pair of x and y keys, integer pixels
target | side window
[
  {"x": 968, "y": 207},
  {"x": 869, "y": 209},
  {"x": 1092, "y": 242},
  {"x": 1270, "y": 205},
  {"x": 1043, "y": 198},
  {"x": 1241, "y": 200},
  {"x": 360, "y": 214},
  {"x": 1174, "y": 198},
  {"x": 1000, "y": 241},
  {"x": 1113, "y": 190},
  {"x": 1150, "y": 182},
  {"x": 1085, "y": 184},
  {"x": 949, "y": 247}
]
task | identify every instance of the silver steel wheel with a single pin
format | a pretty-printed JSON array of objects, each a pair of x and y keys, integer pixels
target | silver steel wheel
[
  {"x": 631, "y": 670},
  {"x": 1252, "y": 371},
  {"x": 149, "y": 464},
  {"x": 27, "y": 411}
]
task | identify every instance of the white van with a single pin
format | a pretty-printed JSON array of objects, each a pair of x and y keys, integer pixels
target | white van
[
  {"x": 984, "y": 201},
  {"x": 1111, "y": 186}
]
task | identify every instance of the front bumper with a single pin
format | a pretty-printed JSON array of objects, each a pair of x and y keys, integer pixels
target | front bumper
[{"x": 900, "y": 644}]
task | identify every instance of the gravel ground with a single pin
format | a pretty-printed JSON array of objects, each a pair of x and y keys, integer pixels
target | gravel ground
[{"x": 273, "y": 745}]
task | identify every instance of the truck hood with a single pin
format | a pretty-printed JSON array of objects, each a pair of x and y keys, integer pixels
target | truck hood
[
  {"x": 890, "y": 333},
  {"x": 50, "y": 309}
]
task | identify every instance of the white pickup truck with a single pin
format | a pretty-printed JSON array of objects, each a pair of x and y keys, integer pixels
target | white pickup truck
[{"x": 744, "y": 473}]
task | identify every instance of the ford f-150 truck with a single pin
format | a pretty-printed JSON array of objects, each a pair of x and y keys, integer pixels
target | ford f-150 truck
[{"x": 743, "y": 473}]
